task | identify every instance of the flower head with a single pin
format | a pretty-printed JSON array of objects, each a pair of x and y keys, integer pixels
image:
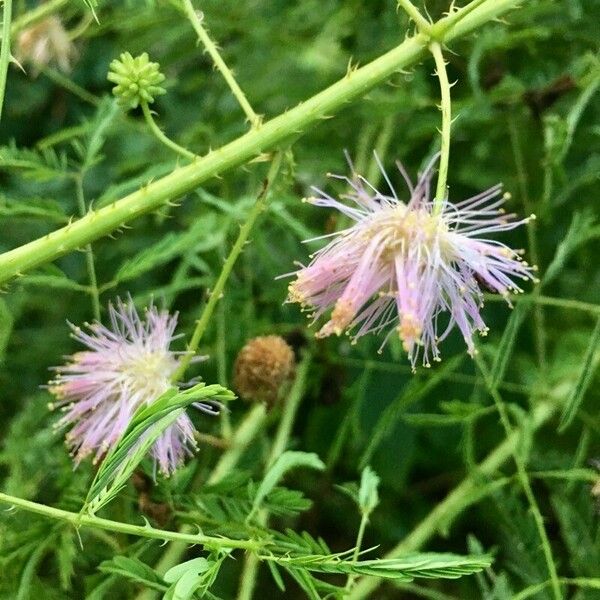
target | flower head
[
  {"x": 262, "y": 367},
  {"x": 46, "y": 42},
  {"x": 413, "y": 268},
  {"x": 126, "y": 365},
  {"x": 138, "y": 79}
]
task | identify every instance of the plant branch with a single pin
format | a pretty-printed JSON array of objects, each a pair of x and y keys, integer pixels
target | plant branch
[
  {"x": 158, "y": 133},
  {"x": 291, "y": 123},
  {"x": 85, "y": 520},
  {"x": 211, "y": 48},
  {"x": 440, "y": 67},
  {"x": 413, "y": 12},
  {"x": 217, "y": 292}
]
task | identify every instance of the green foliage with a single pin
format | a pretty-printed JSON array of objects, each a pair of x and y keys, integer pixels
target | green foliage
[{"x": 427, "y": 449}]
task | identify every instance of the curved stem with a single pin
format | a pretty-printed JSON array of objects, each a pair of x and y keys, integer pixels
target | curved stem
[
  {"x": 440, "y": 66},
  {"x": 217, "y": 292},
  {"x": 293, "y": 122},
  {"x": 85, "y": 520},
  {"x": 5, "y": 49},
  {"x": 211, "y": 48},
  {"x": 156, "y": 130}
]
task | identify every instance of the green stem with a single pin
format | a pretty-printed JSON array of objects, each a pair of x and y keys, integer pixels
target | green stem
[
  {"x": 524, "y": 480},
  {"x": 413, "y": 12},
  {"x": 357, "y": 546},
  {"x": 462, "y": 496},
  {"x": 217, "y": 292},
  {"x": 293, "y": 122},
  {"x": 565, "y": 303},
  {"x": 89, "y": 254},
  {"x": 156, "y": 130},
  {"x": 211, "y": 48},
  {"x": 58, "y": 78},
  {"x": 440, "y": 66},
  {"x": 5, "y": 49},
  {"x": 84, "y": 520},
  {"x": 37, "y": 14},
  {"x": 282, "y": 437}
]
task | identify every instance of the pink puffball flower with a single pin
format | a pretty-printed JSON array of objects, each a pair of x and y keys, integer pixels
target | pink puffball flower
[
  {"x": 125, "y": 366},
  {"x": 416, "y": 268}
]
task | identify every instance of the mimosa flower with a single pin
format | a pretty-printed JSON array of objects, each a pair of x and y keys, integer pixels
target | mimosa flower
[
  {"x": 126, "y": 365},
  {"x": 414, "y": 268}
]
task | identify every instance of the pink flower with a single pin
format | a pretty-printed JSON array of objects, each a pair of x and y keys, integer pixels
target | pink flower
[
  {"x": 411, "y": 268},
  {"x": 126, "y": 366}
]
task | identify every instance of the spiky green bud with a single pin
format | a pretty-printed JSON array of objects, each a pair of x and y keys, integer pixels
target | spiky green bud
[{"x": 137, "y": 79}]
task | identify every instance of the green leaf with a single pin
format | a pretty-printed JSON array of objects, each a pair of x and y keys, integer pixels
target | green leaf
[
  {"x": 284, "y": 463},
  {"x": 147, "y": 425},
  {"x": 584, "y": 380},
  {"x": 133, "y": 569}
]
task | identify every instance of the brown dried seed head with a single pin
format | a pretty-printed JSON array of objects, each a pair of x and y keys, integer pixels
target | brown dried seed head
[{"x": 261, "y": 368}]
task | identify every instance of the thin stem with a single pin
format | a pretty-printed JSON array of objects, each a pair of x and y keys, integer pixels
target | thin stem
[
  {"x": 216, "y": 293},
  {"x": 196, "y": 21},
  {"x": 85, "y": 520},
  {"x": 257, "y": 141},
  {"x": 156, "y": 130},
  {"x": 524, "y": 480},
  {"x": 58, "y": 78},
  {"x": 5, "y": 49},
  {"x": 463, "y": 495},
  {"x": 282, "y": 437},
  {"x": 565, "y": 303},
  {"x": 89, "y": 253},
  {"x": 440, "y": 67},
  {"x": 357, "y": 546},
  {"x": 37, "y": 14},
  {"x": 413, "y": 12}
]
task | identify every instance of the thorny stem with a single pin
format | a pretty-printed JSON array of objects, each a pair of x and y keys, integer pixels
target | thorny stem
[
  {"x": 196, "y": 21},
  {"x": 85, "y": 520},
  {"x": 89, "y": 253},
  {"x": 463, "y": 495},
  {"x": 5, "y": 49},
  {"x": 440, "y": 66},
  {"x": 270, "y": 134},
  {"x": 524, "y": 480},
  {"x": 216, "y": 293},
  {"x": 413, "y": 12},
  {"x": 156, "y": 130},
  {"x": 282, "y": 437}
]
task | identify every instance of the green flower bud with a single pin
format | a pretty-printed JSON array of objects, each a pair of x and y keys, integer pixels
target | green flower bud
[{"x": 137, "y": 80}]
